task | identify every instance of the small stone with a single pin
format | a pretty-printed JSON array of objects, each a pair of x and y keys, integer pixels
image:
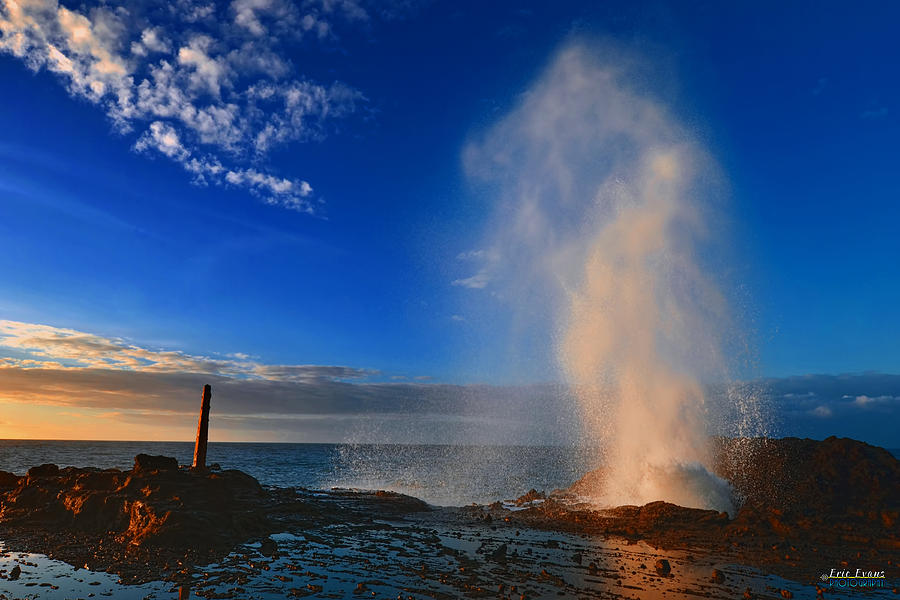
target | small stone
[
  {"x": 500, "y": 553},
  {"x": 268, "y": 547},
  {"x": 14, "y": 574},
  {"x": 663, "y": 568},
  {"x": 717, "y": 577},
  {"x": 748, "y": 595},
  {"x": 787, "y": 594}
]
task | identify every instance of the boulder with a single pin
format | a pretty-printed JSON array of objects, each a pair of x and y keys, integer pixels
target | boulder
[
  {"x": 147, "y": 462},
  {"x": 46, "y": 470},
  {"x": 268, "y": 547},
  {"x": 8, "y": 480}
]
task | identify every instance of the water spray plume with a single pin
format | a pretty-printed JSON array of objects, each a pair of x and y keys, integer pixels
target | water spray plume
[
  {"x": 606, "y": 202},
  {"x": 620, "y": 348}
]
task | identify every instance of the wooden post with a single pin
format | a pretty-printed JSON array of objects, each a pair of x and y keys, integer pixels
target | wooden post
[{"x": 202, "y": 430}]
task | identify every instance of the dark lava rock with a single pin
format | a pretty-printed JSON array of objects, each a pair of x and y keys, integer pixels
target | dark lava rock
[
  {"x": 8, "y": 480},
  {"x": 530, "y": 496},
  {"x": 836, "y": 491},
  {"x": 499, "y": 554},
  {"x": 143, "y": 522},
  {"x": 663, "y": 567},
  {"x": 838, "y": 498},
  {"x": 14, "y": 573},
  {"x": 163, "y": 507},
  {"x": 153, "y": 514},
  {"x": 381, "y": 501},
  {"x": 717, "y": 577},
  {"x": 268, "y": 547},
  {"x": 147, "y": 462},
  {"x": 45, "y": 470}
]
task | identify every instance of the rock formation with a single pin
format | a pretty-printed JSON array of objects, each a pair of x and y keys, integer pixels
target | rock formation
[{"x": 158, "y": 515}]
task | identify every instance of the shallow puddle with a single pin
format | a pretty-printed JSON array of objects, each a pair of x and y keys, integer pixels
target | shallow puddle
[{"x": 433, "y": 557}]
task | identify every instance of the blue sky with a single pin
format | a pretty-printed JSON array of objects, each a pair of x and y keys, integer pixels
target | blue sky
[{"x": 330, "y": 231}]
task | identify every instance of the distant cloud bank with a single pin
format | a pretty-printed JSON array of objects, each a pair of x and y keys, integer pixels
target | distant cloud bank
[
  {"x": 134, "y": 385},
  {"x": 74, "y": 373},
  {"x": 864, "y": 406}
]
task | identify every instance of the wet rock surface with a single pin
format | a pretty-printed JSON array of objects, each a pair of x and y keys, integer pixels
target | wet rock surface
[
  {"x": 226, "y": 536},
  {"x": 157, "y": 518},
  {"x": 803, "y": 504}
]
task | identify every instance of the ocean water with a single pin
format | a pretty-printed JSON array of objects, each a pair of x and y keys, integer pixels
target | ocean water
[{"x": 441, "y": 475}]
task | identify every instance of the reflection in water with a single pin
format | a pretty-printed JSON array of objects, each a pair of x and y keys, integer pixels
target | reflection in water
[{"x": 444, "y": 554}]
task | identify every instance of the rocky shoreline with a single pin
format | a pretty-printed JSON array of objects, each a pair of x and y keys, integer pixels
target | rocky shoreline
[
  {"x": 804, "y": 504},
  {"x": 807, "y": 507},
  {"x": 158, "y": 518}
]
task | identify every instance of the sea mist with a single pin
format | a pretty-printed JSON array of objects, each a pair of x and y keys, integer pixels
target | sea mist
[{"x": 605, "y": 224}]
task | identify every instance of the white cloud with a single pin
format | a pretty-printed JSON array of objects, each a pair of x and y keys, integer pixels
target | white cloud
[
  {"x": 245, "y": 14},
  {"x": 478, "y": 281},
  {"x": 869, "y": 401},
  {"x": 821, "y": 411},
  {"x": 489, "y": 261},
  {"x": 471, "y": 255},
  {"x": 210, "y": 101},
  {"x": 152, "y": 40},
  {"x": 162, "y": 137},
  {"x": 208, "y": 74}
]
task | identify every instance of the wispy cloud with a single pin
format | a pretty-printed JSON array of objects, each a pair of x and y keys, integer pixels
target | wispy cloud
[
  {"x": 874, "y": 113},
  {"x": 478, "y": 281},
  {"x": 36, "y": 346},
  {"x": 214, "y": 96},
  {"x": 486, "y": 261},
  {"x": 821, "y": 85}
]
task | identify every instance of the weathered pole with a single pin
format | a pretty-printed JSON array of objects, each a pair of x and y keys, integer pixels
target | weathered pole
[{"x": 202, "y": 430}]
